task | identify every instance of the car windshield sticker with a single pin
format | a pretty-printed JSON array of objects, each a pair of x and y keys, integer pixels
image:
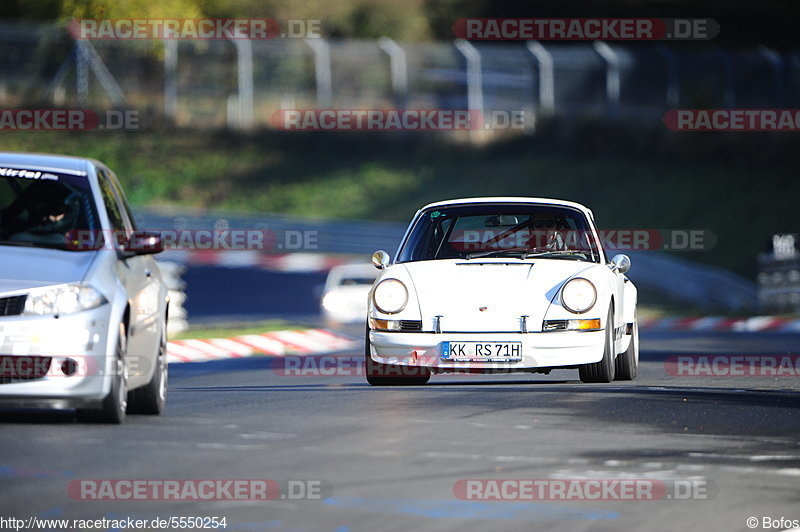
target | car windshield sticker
[{"x": 27, "y": 174}]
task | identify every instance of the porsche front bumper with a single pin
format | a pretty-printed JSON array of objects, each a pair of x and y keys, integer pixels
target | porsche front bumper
[{"x": 539, "y": 350}]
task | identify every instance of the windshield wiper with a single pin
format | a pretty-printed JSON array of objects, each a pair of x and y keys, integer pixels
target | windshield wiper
[
  {"x": 494, "y": 252},
  {"x": 542, "y": 253}
]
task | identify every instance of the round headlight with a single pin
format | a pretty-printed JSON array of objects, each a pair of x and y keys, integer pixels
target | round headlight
[
  {"x": 390, "y": 296},
  {"x": 578, "y": 295}
]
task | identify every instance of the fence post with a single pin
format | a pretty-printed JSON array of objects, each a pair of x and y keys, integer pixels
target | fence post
[
  {"x": 54, "y": 89},
  {"x": 244, "y": 65},
  {"x": 171, "y": 79},
  {"x": 89, "y": 58},
  {"x": 612, "y": 74},
  {"x": 82, "y": 74},
  {"x": 399, "y": 68},
  {"x": 322, "y": 71},
  {"x": 547, "y": 79},
  {"x": 474, "y": 75}
]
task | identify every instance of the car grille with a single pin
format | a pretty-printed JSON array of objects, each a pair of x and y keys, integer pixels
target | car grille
[
  {"x": 555, "y": 325},
  {"x": 12, "y": 306},
  {"x": 410, "y": 325},
  {"x": 23, "y": 368}
]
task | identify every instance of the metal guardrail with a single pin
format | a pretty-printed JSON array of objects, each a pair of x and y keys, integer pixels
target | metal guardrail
[
  {"x": 699, "y": 285},
  {"x": 352, "y": 237},
  {"x": 678, "y": 279}
]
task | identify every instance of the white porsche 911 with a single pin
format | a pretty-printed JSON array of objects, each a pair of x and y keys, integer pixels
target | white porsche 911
[{"x": 501, "y": 285}]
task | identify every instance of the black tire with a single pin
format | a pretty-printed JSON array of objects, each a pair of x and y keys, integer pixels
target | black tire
[
  {"x": 602, "y": 371},
  {"x": 627, "y": 366},
  {"x": 379, "y": 374},
  {"x": 115, "y": 404},
  {"x": 152, "y": 398}
]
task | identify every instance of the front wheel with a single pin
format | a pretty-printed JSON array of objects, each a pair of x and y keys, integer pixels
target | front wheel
[
  {"x": 115, "y": 404},
  {"x": 602, "y": 371},
  {"x": 379, "y": 374},
  {"x": 627, "y": 365},
  {"x": 151, "y": 398}
]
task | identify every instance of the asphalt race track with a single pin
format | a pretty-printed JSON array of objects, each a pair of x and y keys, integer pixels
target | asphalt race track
[{"x": 719, "y": 450}]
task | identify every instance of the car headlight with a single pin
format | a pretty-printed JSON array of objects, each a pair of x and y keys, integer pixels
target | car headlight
[
  {"x": 331, "y": 301},
  {"x": 390, "y": 296},
  {"x": 578, "y": 295},
  {"x": 62, "y": 299}
]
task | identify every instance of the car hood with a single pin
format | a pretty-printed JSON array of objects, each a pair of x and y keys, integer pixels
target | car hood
[
  {"x": 23, "y": 268},
  {"x": 489, "y": 295}
]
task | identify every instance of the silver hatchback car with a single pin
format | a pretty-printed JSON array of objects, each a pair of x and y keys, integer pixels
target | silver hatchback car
[{"x": 83, "y": 307}]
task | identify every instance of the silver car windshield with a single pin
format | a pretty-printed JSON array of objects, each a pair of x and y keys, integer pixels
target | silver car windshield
[{"x": 45, "y": 209}]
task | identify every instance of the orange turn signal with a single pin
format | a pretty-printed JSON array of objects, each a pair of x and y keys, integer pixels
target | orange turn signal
[{"x": 588, "y": 324}]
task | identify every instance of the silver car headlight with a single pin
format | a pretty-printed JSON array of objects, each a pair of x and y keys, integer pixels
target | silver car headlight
[
  {"x": 578, "y": 295},
  {"x": 62, "y": 299},
  {"x": 390, "y": 296}
]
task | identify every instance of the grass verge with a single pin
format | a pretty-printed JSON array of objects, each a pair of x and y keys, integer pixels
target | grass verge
[{"x": 235, "y": 329}]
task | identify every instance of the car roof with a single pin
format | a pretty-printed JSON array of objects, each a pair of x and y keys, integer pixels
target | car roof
[
  {"x": 41, "y": 161},
  {"x": 510, "y": 199}
]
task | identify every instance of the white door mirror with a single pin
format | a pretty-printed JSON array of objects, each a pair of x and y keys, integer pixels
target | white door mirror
[
  {"x": 380, "y": 259},
  {"x": 620, "y": 263}
]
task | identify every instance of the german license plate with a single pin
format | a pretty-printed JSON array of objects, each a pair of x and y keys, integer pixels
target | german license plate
[{"x": 486, "y": 351}]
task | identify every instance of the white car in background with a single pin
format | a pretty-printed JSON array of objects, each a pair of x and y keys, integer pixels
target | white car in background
[
  {"x": 344, "y": 298},
  {"x": 83, "y": 307},
  {"x": 490, "y": 285}
]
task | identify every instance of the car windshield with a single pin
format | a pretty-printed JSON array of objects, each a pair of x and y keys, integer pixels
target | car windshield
[
  {"x": 44, "y": 209},
  {"x": 500, "y": 230}
]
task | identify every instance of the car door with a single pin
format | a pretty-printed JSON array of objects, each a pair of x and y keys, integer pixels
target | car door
[{"x": 134, "y": 274}]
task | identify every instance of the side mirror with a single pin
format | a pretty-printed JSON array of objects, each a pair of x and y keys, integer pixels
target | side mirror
[
  {"x": 380, "y": 259},
  {"x": 620, "y": 263},
  {"x": 144, "y": 243}
]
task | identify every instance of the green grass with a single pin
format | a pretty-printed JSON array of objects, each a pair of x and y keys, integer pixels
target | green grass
[
  {"x": 741, "y": 187},
  {"x": 232, "y": 330}
]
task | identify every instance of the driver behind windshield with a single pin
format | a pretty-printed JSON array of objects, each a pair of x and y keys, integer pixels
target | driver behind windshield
[
  {"x": 546, "y": 232},
  {"x": 52, "y": 211}
]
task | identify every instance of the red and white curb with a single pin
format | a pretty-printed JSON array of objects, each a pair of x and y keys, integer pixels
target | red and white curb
[
  {"x": 278, "y": 343},
  {"x": 717, "y": 323}
]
